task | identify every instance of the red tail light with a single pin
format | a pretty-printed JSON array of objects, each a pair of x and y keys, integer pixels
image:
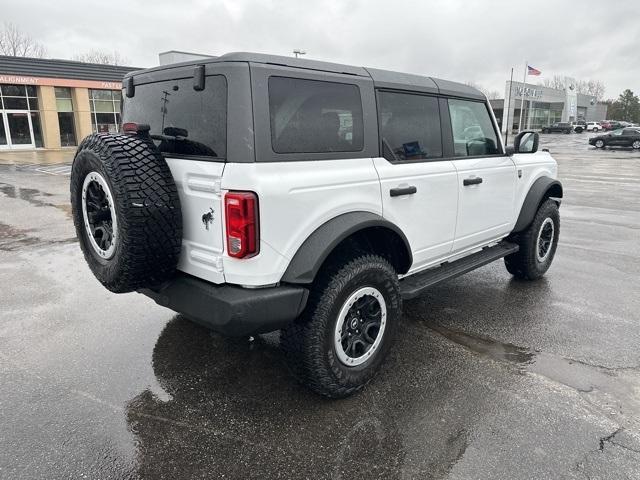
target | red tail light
[
  {"x": 241, "y": 209},
  {"x": 130, "y": 127}
]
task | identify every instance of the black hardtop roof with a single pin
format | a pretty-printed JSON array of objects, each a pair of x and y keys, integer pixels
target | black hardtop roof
[{"x": 381, "y": 78}]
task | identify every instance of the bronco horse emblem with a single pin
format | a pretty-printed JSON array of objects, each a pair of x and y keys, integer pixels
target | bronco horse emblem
[{"x": 207, "y": 218}]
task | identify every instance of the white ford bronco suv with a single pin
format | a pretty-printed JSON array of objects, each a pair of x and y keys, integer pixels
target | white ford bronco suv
[{"x": 254, "y": 193}]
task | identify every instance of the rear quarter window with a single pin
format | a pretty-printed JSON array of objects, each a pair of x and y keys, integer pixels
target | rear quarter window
[
  {"x": 183, "y": 121},
  {"x": 312, "y": 116}
]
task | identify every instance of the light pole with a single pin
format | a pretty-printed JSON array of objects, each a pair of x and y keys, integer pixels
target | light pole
[{"x": 298, "y": 52}]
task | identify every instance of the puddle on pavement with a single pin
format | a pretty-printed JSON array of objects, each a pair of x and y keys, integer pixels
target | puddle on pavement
[
  {"x": 610, "y": 389},
  {"x": 12, "y": 239},
  {"x": 33, "y": 196}
]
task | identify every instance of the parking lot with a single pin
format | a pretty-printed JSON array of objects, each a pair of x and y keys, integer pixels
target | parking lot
[{"x": 490, "y": 377}]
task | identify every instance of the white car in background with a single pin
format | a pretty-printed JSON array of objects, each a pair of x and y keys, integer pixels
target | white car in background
[{"x": 594, "y": 127}]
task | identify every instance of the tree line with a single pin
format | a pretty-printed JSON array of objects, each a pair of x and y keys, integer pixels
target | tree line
[{"x": 15, "y": 43}]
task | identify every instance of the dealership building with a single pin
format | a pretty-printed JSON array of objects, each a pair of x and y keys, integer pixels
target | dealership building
[
  {"x": 55, "y": 103},
  {"x": 542, "y": 106}
]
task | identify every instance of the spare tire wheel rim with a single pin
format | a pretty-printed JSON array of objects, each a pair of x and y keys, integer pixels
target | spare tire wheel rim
[
  {"x": 99, "y": 215},
  {"x": 360, "y": 326},
  {"x": 545, "y": 239}
]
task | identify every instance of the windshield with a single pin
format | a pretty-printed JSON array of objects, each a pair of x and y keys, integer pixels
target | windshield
[
  {"x": 183, "y": 121},
  {"x": 617, "y": 132}
]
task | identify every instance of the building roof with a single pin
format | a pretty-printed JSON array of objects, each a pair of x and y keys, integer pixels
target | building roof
[
  {"x": 381, "y": 78},
  {"x": 51, "y": 68}
]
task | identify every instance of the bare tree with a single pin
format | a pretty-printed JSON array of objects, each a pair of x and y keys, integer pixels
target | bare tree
[
  {"x": 102, "y": 57},
  {"x": 557, "y": 82},
  {"x": 596, "y": 89},
  {"x": 15, "y": 43},
  {"x": 491, "y": 94}
]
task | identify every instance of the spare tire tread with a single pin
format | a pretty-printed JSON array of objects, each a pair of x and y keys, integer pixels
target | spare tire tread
[{"x": 147, "y": 208}]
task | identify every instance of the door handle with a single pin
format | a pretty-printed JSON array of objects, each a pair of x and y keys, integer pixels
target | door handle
[
  {"x": 472, "y": 181},
  {"x": 396, "y": 192}
]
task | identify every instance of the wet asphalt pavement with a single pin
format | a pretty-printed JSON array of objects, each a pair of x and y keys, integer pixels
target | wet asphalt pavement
[{"x": 490, "y": 377}]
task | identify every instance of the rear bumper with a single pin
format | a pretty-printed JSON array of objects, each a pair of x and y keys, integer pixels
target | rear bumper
[{"x": 228, "y": 309}]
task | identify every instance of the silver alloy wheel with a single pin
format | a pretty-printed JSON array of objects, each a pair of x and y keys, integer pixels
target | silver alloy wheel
[
  {"x": 599, "y": 144},
  {"x": 360, "y": 326},
  {"x": 636, "y": 144},
  {"x": 545, "y": 239},
  {"x": 99, "y": 215}
]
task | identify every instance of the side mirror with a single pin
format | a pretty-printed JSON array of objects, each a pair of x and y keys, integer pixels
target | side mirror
[{"x": 526, "y": 142}]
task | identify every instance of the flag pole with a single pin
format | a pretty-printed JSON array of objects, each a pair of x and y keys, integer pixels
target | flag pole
[
  {"x": 506, "y": 134},
  {"x": 524, "y": 80}
]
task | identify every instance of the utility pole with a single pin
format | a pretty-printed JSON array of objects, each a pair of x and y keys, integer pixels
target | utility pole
[
  {"x": 298, "y": 52},
  {"x": 524, "y": 80},
  {"x": 506, "y": 134}
]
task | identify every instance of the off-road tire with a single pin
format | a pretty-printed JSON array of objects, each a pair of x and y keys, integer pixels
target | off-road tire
[
  {"x": 308, "y": 343},
  {"x": 524, "y": 264},
  {"x": 149, "y": 220}
]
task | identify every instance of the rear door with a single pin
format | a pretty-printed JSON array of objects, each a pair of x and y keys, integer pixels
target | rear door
[
  {"x": 189, "y": 127},
  {"x": 418, "y": 186},
  {"x": 486, "y": 176}
]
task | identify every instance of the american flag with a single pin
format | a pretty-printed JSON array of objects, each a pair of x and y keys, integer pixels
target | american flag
[{"x": 533, "y": 71}]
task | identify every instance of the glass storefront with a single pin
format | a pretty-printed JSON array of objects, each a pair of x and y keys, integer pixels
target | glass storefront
[
  {"x": 64, "y": 105},
  {"x": 19, "y": 117},
  {"x": 105, "y": 110}
]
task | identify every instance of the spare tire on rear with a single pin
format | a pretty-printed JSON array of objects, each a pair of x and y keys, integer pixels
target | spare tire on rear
[{"x": 126, "y": 211}]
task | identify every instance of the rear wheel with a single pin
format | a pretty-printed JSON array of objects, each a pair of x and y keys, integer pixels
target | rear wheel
[
  {"x": 537, "y": 243},
  {"x": 347, "y": 328},
  {"x": 636, "y": 144}
]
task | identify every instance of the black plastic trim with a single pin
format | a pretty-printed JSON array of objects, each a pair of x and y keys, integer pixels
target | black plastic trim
[
  {"x": 307, "y": 261},
  {"x": 532, "y": 201},
  {"x": 229, "y": 309}
]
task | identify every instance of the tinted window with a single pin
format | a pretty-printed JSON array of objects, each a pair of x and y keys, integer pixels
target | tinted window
[
  {"x": 310, "y": 116},
  {"x": 473, "y": 132},
  {"x": 183, "y": 121},
  {"x": 630, "y": 131},
  {"x": 409, "y": 126}
]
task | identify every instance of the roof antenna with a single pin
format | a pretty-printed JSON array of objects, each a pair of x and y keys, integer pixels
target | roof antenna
[{"x": 298, "y": 52}]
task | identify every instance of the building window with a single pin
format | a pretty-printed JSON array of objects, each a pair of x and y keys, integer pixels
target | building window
[
  {"x": 105, "y": 110},
  {"x": 20, "y": 103},
  {"x": 64, "y": 105}
]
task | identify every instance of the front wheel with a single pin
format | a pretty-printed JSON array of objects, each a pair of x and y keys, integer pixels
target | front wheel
[
  {"x": 599, "y": 144},
  {"x": 347, "y": 328},
  {"x": 537, "y": 243}
]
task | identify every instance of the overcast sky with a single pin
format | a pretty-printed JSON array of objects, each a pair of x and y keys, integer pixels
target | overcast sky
[{"x": 459, "y": 40}]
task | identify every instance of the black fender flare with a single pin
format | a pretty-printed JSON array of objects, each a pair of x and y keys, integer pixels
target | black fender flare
[
  {"x": 542, "y": 188},
  {"x": 307, "y": 261}
]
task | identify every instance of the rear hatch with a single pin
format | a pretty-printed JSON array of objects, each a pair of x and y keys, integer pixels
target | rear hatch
[{"x": 189, "y": 127}]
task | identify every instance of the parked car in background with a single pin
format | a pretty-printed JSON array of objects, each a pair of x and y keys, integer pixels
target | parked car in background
[
  {"x": 558, "y": 127},
  {"x": 612, "y": 125},
  {"x": 624, "y": 137},
  {"x": 594, "y": 127},
  {"x": 579, "y": 126}
]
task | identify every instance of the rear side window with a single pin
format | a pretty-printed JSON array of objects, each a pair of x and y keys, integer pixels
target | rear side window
[
  {"x": 311, "y": 116},
  {"x": 409, "y": 126},
  {"x": 183, "y": 121},
  {"x": 473, "y": 132}
]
